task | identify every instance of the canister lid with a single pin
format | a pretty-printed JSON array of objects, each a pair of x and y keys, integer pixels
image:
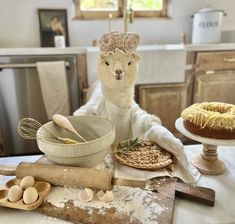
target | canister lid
[{"x": 209, "y": 9}]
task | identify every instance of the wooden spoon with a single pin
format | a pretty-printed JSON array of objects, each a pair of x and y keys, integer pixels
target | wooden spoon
[{"x": 63, "y": 122}]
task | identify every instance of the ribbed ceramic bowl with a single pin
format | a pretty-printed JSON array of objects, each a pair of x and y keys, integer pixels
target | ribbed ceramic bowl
[{"x": 99, "y": 132}]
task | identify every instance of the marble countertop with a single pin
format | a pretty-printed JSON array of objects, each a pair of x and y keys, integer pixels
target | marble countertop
[
  {"x": 83, "y": 50},
  {"x": 185, "y": 212}
]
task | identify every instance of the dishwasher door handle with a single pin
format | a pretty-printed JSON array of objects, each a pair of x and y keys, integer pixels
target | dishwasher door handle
[{"x": 23, "y": 65}]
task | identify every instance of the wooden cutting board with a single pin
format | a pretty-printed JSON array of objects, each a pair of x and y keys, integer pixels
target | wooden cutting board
[{"x": 130, "y": 205}]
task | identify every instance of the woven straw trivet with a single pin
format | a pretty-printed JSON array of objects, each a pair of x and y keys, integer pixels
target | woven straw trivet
[{"x": 146, "y": 155}]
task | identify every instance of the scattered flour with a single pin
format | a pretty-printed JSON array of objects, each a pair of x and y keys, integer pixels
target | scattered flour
[{"x": 136, "y": 203}]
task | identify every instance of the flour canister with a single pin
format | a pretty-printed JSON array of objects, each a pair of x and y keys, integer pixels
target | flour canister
[{"x": 207, "y": 25}]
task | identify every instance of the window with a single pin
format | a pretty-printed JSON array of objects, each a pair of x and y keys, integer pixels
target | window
[
  {"x": 148, "y": 8},
  {"x": 98, "y": 9},
  {"x": 104, "y": 9},
  {"x": 101, "y": 5}
]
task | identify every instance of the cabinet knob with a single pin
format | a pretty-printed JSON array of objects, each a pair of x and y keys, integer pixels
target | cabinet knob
[
  {"x": 229, "y": 59},
  {"x": 210, "y": 72}
]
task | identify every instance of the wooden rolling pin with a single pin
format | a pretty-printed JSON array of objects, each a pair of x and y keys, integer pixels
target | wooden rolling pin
[
  {"x": 101, "y": 180},
  {"x": 62, "y": 175}
]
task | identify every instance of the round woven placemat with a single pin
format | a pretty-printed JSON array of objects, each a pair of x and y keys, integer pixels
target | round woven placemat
[{"x": 144, "y": 154}]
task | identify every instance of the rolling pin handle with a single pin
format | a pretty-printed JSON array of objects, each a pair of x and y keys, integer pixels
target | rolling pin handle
[{"x": 8, "y": 170}]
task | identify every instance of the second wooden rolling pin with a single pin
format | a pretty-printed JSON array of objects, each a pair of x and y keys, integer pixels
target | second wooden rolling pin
[{"x": 62, "y": 175}]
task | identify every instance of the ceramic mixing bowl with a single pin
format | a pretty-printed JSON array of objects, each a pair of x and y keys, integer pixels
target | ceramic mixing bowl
[{"x": 99, "y": 133}]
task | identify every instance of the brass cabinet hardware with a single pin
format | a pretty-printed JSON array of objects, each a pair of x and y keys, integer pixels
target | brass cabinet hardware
[
  {"x": 210, "y": 72},
  {"x": 229, "y": 59}
]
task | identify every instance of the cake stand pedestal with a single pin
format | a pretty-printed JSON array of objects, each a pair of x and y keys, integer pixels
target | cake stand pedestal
[{"x": 207, "y": 162}]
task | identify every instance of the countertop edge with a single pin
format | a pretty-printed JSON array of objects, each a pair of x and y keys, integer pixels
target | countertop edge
[{"x": 87, "y": 49}]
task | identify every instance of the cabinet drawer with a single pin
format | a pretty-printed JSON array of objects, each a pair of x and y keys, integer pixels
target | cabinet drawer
[
  {"x": 223, "y": 60},
  {"x": 217, "y": 87},
  {"x": 165, "y": 101}
]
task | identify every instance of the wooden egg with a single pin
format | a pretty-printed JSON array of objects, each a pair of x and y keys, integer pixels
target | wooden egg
[
  {"x": 15, "y": 193},
  {"x": 27, "y": 181},
  {"x": 30, "y": 195}
]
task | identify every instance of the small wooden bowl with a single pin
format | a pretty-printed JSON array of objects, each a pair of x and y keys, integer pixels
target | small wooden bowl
[{"x": 43, "y": 189}]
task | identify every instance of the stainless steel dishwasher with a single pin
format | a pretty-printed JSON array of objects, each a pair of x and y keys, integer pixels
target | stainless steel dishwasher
[{"x": 20, "y": 96}]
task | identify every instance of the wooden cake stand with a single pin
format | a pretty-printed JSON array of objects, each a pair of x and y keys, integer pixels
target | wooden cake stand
[{"x": 207, "y": 162}]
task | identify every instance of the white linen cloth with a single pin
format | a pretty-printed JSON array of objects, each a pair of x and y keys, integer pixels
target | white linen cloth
[
  {"x": 134, "y": 122},
  {"x": 54, "y": 87}
]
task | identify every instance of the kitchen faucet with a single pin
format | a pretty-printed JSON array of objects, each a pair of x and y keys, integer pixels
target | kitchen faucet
[{"x": 128, "y": 15}]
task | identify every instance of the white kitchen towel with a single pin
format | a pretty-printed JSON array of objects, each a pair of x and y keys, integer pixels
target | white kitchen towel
[
  {"x": 54, "y": 87},
  {"x": 184, "y": 170},
  {"x": 126, "y": 172}
]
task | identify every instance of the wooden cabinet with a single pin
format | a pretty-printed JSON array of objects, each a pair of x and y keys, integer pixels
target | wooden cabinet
[
  {"x": 214, "y": 78},
  {"x": 220, "y": 60},
  {"x": 218, "y": 87},
  {"x": 82, "y": 77},
  {"x": 164, "y": 100}
]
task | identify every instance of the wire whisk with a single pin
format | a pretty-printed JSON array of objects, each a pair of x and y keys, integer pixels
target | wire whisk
[{"x": 28, "y": 128}]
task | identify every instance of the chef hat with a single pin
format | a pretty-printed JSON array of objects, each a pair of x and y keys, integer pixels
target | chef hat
[{"x": 126, "y": 42}]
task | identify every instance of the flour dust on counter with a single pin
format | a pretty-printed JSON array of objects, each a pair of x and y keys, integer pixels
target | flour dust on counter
[{"x": 130, "y": 205}]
